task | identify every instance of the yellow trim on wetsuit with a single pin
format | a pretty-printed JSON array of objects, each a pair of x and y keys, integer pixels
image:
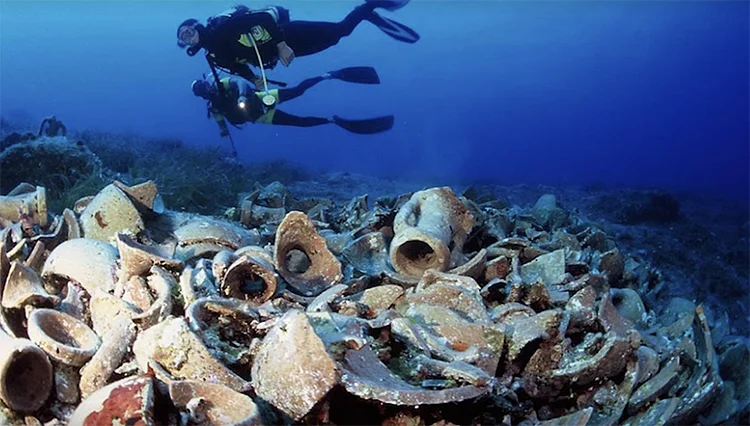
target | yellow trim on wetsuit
[
  {"x": 259, "y": 34},
  {"x": 267, "y": 118},
  {"x": 226, "y": 83}
]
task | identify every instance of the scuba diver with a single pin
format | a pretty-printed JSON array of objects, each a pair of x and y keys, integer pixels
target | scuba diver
[
  {"x": 240, "y": 37},
  {"x": 234, "y": 100},
  {"x": 54, "y": 126}
]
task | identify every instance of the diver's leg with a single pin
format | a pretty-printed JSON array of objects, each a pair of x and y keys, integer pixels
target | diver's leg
[
  {"x": 309, "y": 37},
  {"x": 281, "y": 118},
  {"x": 298, "y": 90}
]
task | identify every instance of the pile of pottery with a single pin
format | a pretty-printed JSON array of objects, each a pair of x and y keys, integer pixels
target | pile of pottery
[{"x": 423, "y": 309}]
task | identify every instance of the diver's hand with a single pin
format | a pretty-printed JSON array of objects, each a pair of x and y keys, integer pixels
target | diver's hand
[{"x": 286, "y": 54}]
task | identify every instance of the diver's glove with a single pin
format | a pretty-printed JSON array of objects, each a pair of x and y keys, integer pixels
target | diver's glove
[{"x": 286, "y": 54}]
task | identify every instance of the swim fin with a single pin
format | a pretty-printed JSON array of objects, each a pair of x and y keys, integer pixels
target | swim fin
[
  {"x": 389, "y": 5},
  {"x": 394, "y": 29},
  {"x": 362, "y": 75},
  {"x": 367, "y": 126}
]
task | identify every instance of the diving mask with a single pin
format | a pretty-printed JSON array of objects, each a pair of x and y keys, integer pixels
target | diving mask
[{"x": 187, "y": 34}]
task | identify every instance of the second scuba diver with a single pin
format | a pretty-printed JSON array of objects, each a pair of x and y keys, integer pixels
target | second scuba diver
[
  {"x": 261, "y": 38},
  {"x": 237, "y": 102}
]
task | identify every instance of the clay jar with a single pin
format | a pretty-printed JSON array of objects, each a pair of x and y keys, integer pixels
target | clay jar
[
  {"x": 429, "y": 232},
  {"x": 23, "y": 201},
  {"x": 25, "y": 374}
]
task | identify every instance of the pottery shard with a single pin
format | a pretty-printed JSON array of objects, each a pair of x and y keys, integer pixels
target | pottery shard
[
  {"x": 526, "y": 330},
  {"x": 459, "y": 334},
  {"x": 579, "y": 418},
  {"x": 498, "y": 267},
  {"x": 549, "y": 267},
  {"x": 507, "y": 313},
  {"x": 474, "y": 267},
  {"x": 181, "y": 352},
  {"x": 91, "y": 263},
  {"x": 613, "y": 265},
  {"x": 368, "y": 253},
  {"x": 297, "y": 232},
  {"x": 129, "y": 401},
  {"x": 368, "y": 378},
  {"x": 379, "y": 298},
  {"x": 136, "y": 258},
  {"x": 582, "y": 308},
  {"x": 110, "y": 212},
  {"x": 292, "y": 370},
  {"x": 460, "y": 299},
  {"x": 142, "y": 195},
  {"x": 215, "y": 405},
  {"x": 656, "y": 386}
]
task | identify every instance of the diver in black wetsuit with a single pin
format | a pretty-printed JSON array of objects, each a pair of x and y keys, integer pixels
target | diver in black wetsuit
[
  {"x": 54, "y": 127},
  {"x": 236, "y": 102},
  {"x": 243, "y": 36}
]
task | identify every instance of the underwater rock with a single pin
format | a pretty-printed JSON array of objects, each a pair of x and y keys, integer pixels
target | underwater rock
[
  {"x": 44, "y": 161},
  {"x": 16, "y": 138},
  {"x": 658, "y": 207},
  {"x": 547, "y": 212}
]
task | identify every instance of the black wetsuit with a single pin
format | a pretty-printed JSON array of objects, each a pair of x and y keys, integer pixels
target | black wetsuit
[
  {"x": 226, "y": 107},
  {"x": 228, "y": 43}
]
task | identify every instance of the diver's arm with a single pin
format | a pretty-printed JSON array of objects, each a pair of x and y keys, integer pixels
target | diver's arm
[
  {"x": 41, "y": 126},
  {"x": 236, "y": 68},
  {"x": 245, "y": 89},
  {"x": 244, "y": 71}
]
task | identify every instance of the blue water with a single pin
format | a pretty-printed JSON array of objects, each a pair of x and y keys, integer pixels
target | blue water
[{"x": 635, "y": 93}]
